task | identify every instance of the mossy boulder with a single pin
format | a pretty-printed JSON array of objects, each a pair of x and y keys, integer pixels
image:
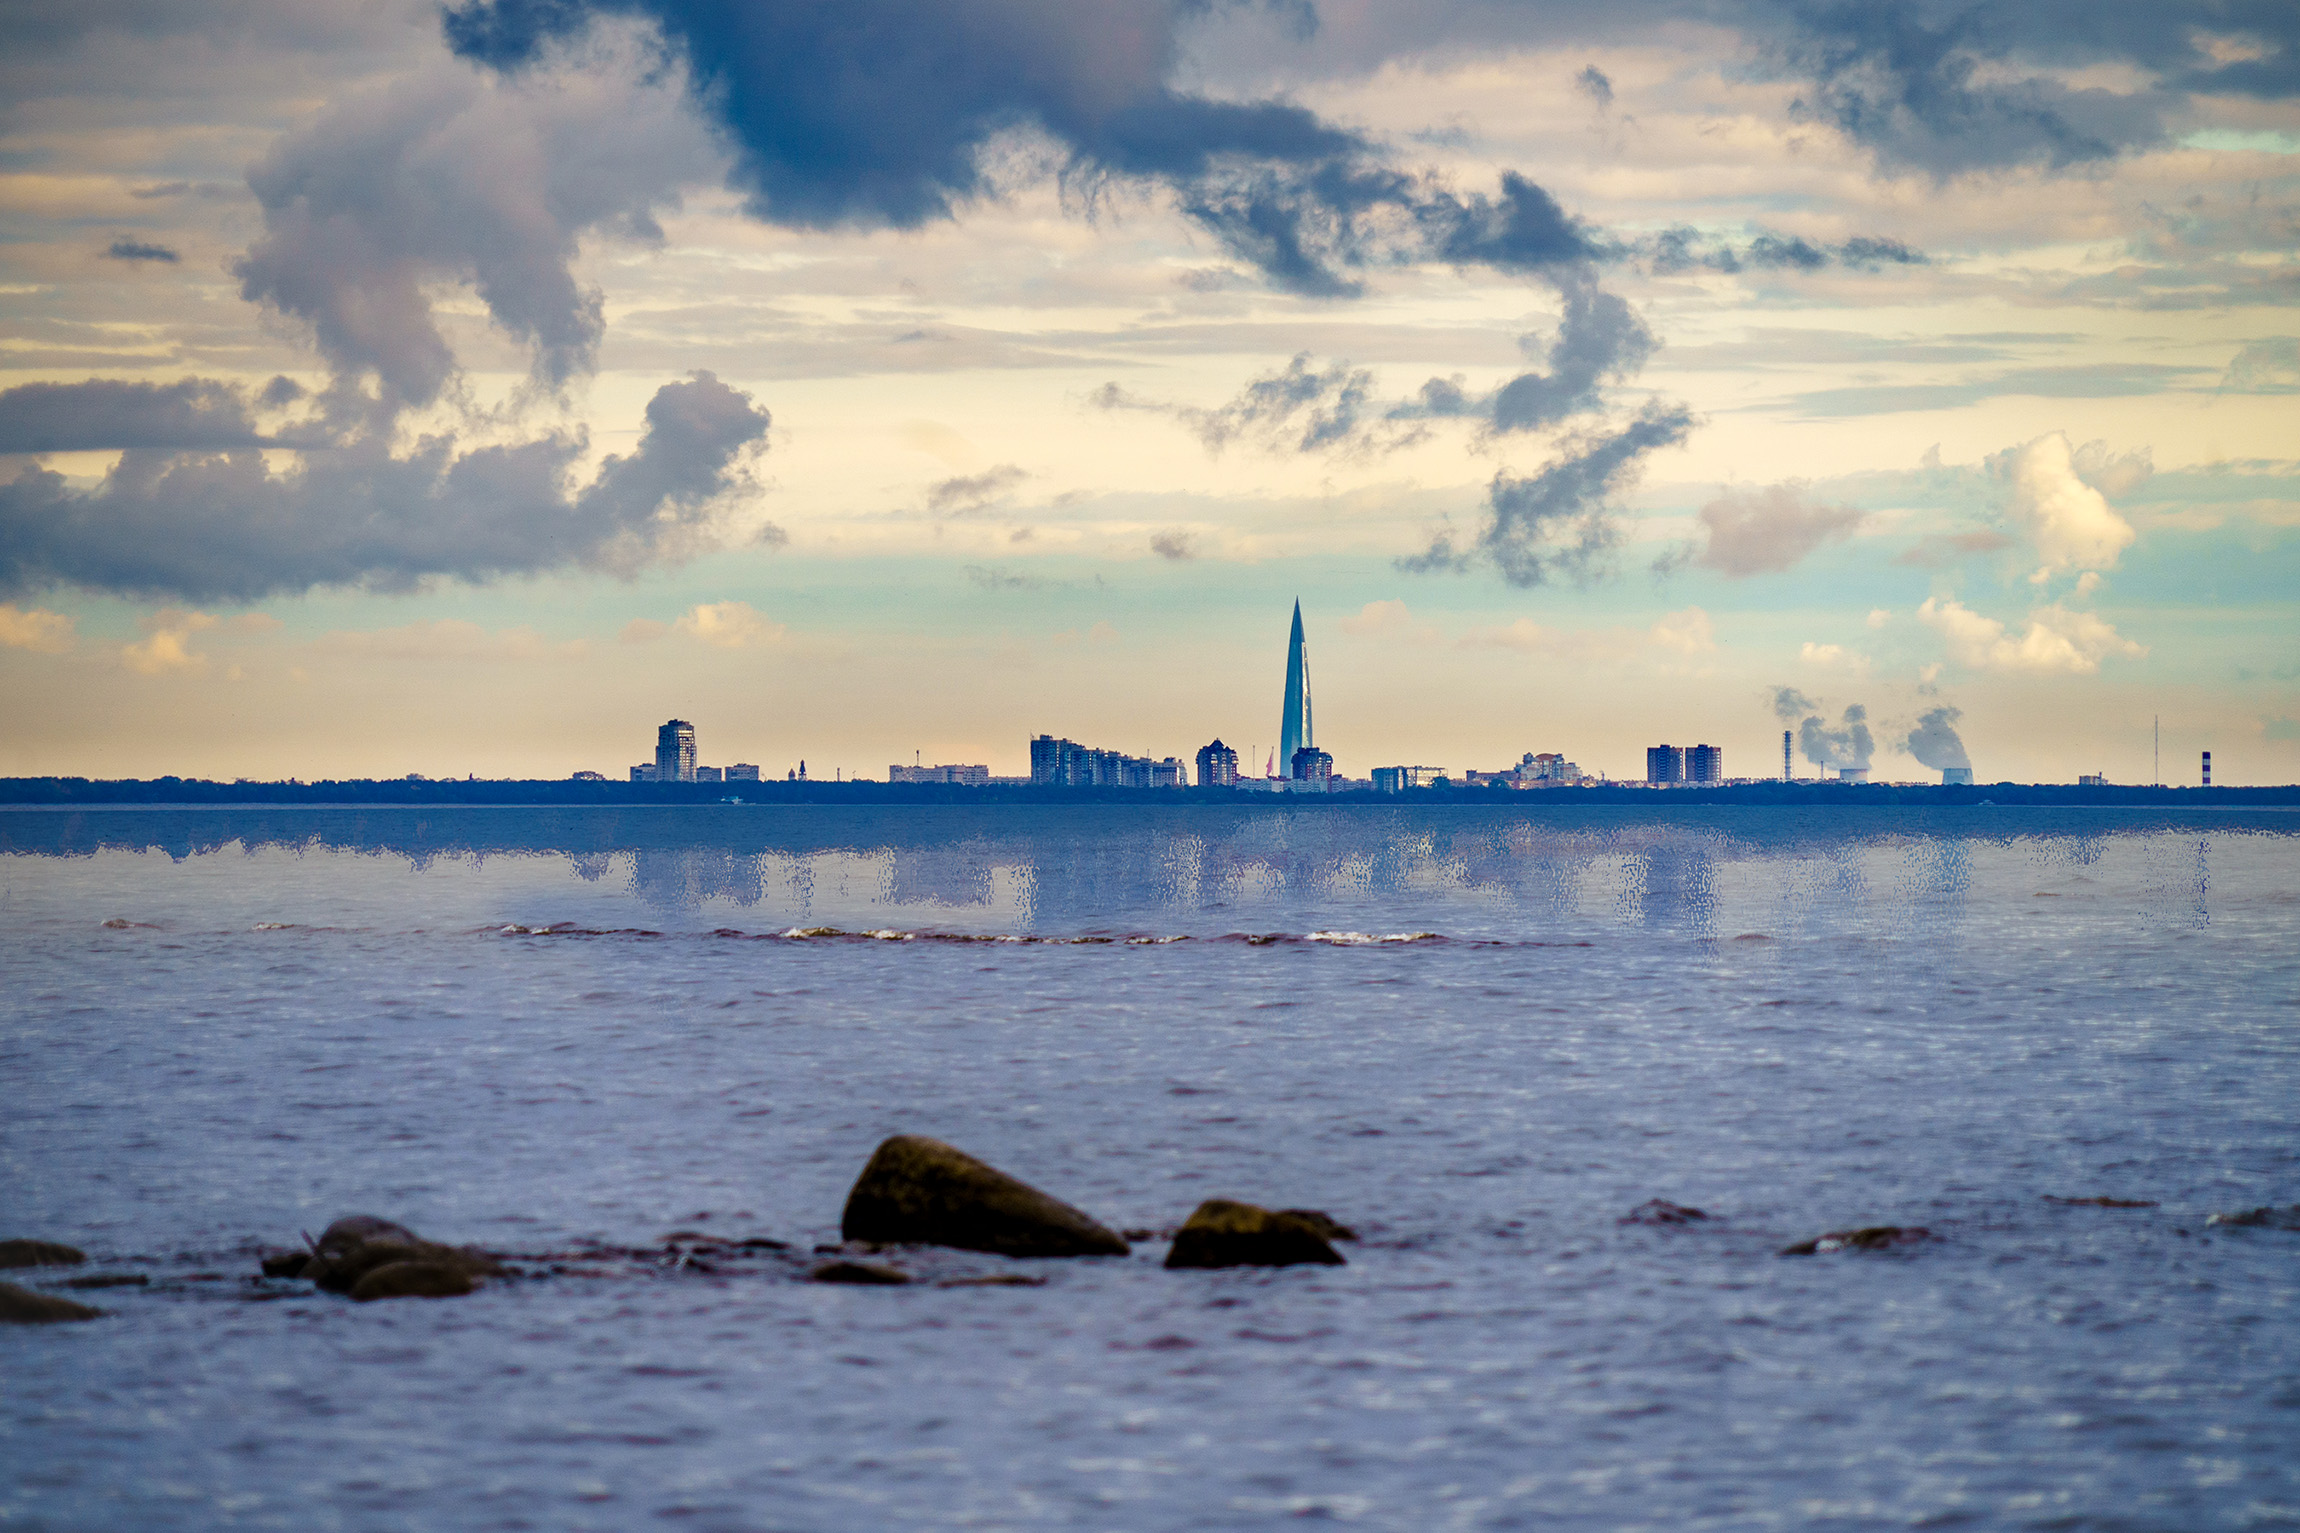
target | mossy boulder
[
  {"x": 353, "y": 1247},
  {"x": 920, "y": 1191},
  {"x": 413, "y": 1280},
  {"x": 23, "y": 1306},
  {"x": 1222, "y": 1233},
  {"x": 39, "y": 1253}
]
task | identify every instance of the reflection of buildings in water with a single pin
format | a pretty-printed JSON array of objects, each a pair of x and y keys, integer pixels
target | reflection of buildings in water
[
  {"x": 681, "y": 878},
  {"x": 1936, "y": 882},
  {"x": 591, "y": 866},
  {"x": 943, "y": 875},
  {"x": 1678, "y": 890}
]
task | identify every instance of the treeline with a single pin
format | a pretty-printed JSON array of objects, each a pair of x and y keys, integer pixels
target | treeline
[{"x": 567, "y": 793}]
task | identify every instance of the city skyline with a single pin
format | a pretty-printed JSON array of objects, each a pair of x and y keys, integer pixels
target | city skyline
[{"x": 372, "y": 372}]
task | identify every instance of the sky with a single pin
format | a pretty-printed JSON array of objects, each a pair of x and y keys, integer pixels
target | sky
[{"x": 394, "y": 388}]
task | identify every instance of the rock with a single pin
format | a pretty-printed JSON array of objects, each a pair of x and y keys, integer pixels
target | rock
[
  {"x": 1321, "y": 1221},
  {"x": 1874, "y": 1237},
  {"x": 2100, "y": 1202},
  {"x": 286, "y": 1264},
  {"x": 920, "y": 1191},
  {"x": 109, "y": 1280},
  {"x": 1662, "y": 1211},
  {"x": 859, "y": 1272},
  {"x": 21, "y": 1306},
  {"x": 413, "y": 1280},
  {"x": 2261, "y": 1218},
  {"x": 1221, "y": 1233},
  {"x": 351, "y": 1248},
  {"x": 39, "y": 1253},
  {"x": 994, "y": 1280}
]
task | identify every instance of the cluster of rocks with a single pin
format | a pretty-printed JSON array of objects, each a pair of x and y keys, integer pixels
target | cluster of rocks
[{"x": 915, "y": 1192}]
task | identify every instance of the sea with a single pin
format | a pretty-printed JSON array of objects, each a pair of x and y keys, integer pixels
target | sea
[{"x": 2062, "y": 1044}]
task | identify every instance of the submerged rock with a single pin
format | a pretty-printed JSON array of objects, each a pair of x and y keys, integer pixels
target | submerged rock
[
  {"x": 1221, "y": 1233},
  {"x": 39, "y": 1253},
  {"x": 867, "y": 1273},
  {"x": 920, "y": 1191},
  {"x": 351, "y": 1248},
  {"x": 286, "y": 1264},
  {"x": 22, "y": 1306},
  {"x": 2270, "y": 1218},
  {"x": 1874, "y": 1237},
  {"x": 2100, "y": 1202},
  {"x": 1662, "y": 1211},
  {"x": 109, "y": 1280},
  {"x": 413, "y": 1280}
]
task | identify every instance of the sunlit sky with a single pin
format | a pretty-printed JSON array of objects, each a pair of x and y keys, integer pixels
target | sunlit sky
[{"x": 388, "y": 390}]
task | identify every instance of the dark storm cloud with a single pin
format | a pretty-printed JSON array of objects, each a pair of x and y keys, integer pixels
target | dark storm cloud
[
  {"x": 1599, "y": 338},
  {"x": 1561, "y": 521},
  {"x": 139, "y": 250},
  {"x": 203, "y": 526},
  {"x": 105, "y": 414}
]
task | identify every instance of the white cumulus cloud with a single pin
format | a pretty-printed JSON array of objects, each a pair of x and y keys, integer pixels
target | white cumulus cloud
[
  {"x": 730, "y": 625},
  {"x": 2057, "y": 641},
  {"x": 34, "y": 628},
  {"x": 2070, "y": 522}
]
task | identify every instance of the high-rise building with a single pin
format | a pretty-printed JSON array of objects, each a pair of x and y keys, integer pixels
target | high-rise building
[
  {"x": 1311, "y": 765},
  {"x": 1295, "y": 726},
  {"x": 1217, "y": 766},
  {"x": 1664, "y": 763},
  {"x": 1705, "y": 763},
  {"x": 707, "y": 774},
  {"x": 675, "y": 752},
  {"x": 1066, "y": 763}
]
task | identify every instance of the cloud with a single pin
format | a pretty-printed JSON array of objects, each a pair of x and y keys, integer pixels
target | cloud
[
  {"x": 1765, "y": 531},
  {"x": 36, "y": 629},
  {"x": 138, "y": 250},
  {"x": 2068, "y": 520},
  {"x": 166, "y": 646},
  {"x": 729, "y": 625},
  {"x": 1596, "y": 85},
  {"x": 1560, "y": 522},
  {"x": 2058, "y": 641},
  {"x": 1599, "y": 338},
  {"x": 453, "y": 639},
  {"x": 1934, "y": 740},
  {"x": 2270, "y": 365},
  {"x": 1690, "y": 632},
  {"x": 966, "y": 494},
  {"x": 224, "y": 526},
  {"x": 104, "y": 414},
  {"x": 1174, "y": 545},
  {"x": 1300, "y": 408},
  {"x": 449, "y": 178},
  {"x": 1388, "y": 620},
  {"x": 1939, "y": 550},
  {"x": 1821, "y": 654},
  {"x": 1685, "y": 248},
  {"x": 992, "y": 578}
]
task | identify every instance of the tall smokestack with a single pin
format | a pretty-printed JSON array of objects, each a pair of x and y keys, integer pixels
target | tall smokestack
[
  {"x": 2208, "y": 769},
  {"x": 1786, "y": 774}
]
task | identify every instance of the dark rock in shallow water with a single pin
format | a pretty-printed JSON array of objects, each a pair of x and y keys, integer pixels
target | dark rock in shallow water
[
  {"x": 867, "y": 1273},
  {"x": 22, "y": 1306},
  {"x": 1221, "y": 1233},
  {"x": 413, "y": 1280},
  {"x": 2260, "y": 1218},
  {"x": 1321, "y": 1221},
  {"x": 351, "y": 1248},
  {"x": 109, "y": 1280},
  {"x": 2100, "y": 1202},
  {"x": 286, "y": 1264},
  {"x": 920, "y": 1191},
  {"x": 39, "y": 1253},
  {"x": 1874, "y": 1237},
  {"x": 1662, "y": 1211}
]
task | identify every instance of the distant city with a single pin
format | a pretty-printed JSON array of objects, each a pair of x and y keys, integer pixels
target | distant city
[{"x": 1297, "y": 765}]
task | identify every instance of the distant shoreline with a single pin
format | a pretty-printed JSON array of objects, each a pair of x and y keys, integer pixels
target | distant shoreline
[{"x": 187, "y": 793}]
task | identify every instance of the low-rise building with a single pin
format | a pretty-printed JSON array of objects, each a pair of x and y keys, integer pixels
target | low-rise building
[{"x": 743, "y": 771}]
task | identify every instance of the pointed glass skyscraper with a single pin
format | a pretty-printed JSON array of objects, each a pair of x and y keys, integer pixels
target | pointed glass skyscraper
[{"x": 1294, "y": 729}]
